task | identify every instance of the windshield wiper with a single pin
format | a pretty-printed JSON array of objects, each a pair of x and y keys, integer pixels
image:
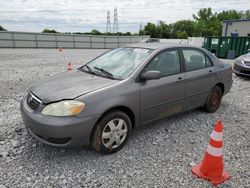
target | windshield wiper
[
  {"x": 105, "y": 72},
  {"x": 89, "y": 69}
]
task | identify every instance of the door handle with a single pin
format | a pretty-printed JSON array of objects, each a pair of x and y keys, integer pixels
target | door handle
[
  {"x": 179, "y": 79},
  {"x": 210, "y": 71}
]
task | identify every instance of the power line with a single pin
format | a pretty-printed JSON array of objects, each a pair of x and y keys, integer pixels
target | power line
[
  {"x": 108, "y": 26},
  {"x": 115, "y": 24}
]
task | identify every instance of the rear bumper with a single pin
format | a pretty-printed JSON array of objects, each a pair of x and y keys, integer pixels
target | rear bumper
[{"x": 57, "y": 131}]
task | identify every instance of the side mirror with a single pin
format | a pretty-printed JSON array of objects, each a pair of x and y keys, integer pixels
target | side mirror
[{"x": 151, "y": 75}]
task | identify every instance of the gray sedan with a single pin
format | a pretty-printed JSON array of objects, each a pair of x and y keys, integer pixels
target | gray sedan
[
  {"x": 103, "y": 101},
  {"x": 242, "y": 65}
]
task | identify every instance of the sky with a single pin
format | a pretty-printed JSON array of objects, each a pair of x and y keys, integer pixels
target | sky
[{"x": 85, "y": 15}]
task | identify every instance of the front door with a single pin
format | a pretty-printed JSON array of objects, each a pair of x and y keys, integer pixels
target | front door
[{"x": 165, "y": 96}]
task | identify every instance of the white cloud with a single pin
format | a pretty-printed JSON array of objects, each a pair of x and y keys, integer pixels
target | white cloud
[{"x": 84, "y": 15}]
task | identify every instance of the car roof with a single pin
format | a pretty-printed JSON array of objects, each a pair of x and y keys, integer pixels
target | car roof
[{"x": 157, "y": 45}]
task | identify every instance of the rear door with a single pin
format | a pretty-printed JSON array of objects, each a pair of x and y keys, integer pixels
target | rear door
[
  {"x": 200, "y": 77},
  {"x": 165, "y": 96}
]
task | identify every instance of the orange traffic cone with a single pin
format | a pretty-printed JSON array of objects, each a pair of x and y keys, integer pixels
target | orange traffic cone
[
  {"x": 70, "y": 66},
  {"x": 211, "y": 168}
]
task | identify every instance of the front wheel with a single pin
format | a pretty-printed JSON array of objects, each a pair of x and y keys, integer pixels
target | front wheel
[
  {"x": 111, "y": 132},
  {"x": 213, "y": 101}
]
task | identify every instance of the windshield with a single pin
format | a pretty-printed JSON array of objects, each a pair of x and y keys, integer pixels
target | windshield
[{"x": 119, "y": 63}]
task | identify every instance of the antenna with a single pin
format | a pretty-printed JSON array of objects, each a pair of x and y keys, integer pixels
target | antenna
[
  {"x": 108, "y": 27},
  {"x": 115, "y": 25}
]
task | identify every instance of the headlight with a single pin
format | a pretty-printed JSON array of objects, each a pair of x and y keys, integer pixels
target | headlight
[
  {"x": 239, "y": 62},
  {"x": 64, "y": 108}
]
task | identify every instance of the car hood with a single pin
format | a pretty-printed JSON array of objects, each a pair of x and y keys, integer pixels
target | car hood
[
  {"x": 69, "y": 85},
  {"x": 245, "y": 57}
]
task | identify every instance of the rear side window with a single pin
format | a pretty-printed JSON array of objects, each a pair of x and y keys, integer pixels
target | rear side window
[{"x": 195, "y": 60}]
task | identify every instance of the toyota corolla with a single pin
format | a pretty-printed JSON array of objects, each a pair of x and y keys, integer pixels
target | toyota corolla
[{"x": 101, "y": 102}]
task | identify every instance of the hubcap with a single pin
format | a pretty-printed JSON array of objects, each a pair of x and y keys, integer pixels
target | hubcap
[{"x": 114, "y": 133}]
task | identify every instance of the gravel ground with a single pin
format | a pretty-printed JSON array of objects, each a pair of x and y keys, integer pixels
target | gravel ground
[{"x": 157, "y": 155}]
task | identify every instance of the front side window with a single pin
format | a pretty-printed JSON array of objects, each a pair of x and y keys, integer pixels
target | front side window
[
  {"x": 167, "y": 63},
  {"x": 194, "y": 60},
  {"x": 119, "y": 62}
]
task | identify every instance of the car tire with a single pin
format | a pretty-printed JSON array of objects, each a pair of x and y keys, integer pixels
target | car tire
[
  {"x": 111, "y": 132},
  {"x": 213, "y": 101}
]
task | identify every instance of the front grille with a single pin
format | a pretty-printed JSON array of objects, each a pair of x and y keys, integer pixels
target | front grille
[
  {"x": 33, "y": 102},
  {"x": 247, "y": 63}
]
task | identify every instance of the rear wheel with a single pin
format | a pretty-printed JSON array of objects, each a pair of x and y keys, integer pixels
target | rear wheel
[
  {"x": 213, "y": 101},
  {"x": 111, "y": 132}
]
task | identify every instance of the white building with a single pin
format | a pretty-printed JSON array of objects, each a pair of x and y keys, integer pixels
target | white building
[{"x": 236, "y": 28}]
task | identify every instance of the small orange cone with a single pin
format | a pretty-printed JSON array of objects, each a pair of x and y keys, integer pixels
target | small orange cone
[
  {"x": 70, "y": 66},
  {"x": 211, "y": 168}
]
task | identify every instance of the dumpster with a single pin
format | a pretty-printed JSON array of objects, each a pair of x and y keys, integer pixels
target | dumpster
[
  {"x": 221, "y": 46},
  {"x": 246, "y": 45},
  {"x": 207, "y": 43},
  {"x": 225, "y": 46},
  {"x": 215, "y": 44}
]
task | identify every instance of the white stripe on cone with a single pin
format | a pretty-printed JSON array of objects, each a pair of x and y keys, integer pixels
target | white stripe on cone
[
  {"x": 216, "y": 152},
  {"x": 216, "y": 136}
]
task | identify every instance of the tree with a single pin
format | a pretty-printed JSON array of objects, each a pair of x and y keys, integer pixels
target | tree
[
  {"x": 203, "y": 20},
  {"x": 141, "y": 32},
  {"x": 181, "y": 35},
  {"x": 127, "y": 34},
  {"x": 46, "y": 30},
  {"x": 229, "y": 15},
  {"x": 246, "y": 14},
  {"x": 204, "y": 14},
  {"x": 150, "y": 29},
  {"x": 163, "y": 30},
  {"x": 210, "y": 24},
  {"x": 95, "y": 32},
  {"x": 184, "y": 28},
  {"x": 2, "y": 29},
  {"x": 205, "y": 23}
]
